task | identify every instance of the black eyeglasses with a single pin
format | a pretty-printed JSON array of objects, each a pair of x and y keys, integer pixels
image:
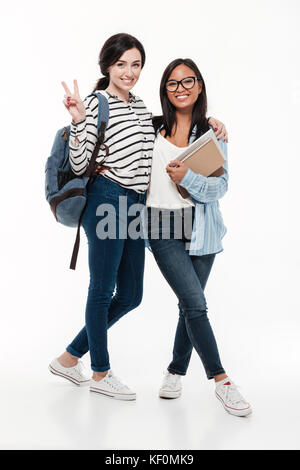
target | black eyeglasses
[{"x": 187, "y": 83}]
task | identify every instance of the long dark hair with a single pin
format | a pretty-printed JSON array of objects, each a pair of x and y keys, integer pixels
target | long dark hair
[
  {"x": 112, "y": 50},
  {"x": 168, "y": 118}
]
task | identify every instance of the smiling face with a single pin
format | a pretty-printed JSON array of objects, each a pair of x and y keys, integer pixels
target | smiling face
[
  {"x": 126, "y": 71},
  {"x": 184, "y": 99}
]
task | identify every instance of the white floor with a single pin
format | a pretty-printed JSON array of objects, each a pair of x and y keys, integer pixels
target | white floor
[
  {"x": 257, "y": 332},
  {"x": 48, "y": 412}
]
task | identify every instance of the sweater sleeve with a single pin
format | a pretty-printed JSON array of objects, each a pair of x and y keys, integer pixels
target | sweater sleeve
[
  {"x": 207, "y": 189},
  {"x": 83, "y": 137}
]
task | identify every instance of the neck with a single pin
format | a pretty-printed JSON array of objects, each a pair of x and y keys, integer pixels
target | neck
[
  {"x": 184, "y": 117},
  {"x": 122, "y": 94}
]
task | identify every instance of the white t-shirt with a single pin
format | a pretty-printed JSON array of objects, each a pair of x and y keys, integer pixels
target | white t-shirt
[{"x": 162, "y": 191}]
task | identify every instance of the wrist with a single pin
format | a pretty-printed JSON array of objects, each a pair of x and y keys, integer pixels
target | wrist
[{"x": 77, "y": 121}]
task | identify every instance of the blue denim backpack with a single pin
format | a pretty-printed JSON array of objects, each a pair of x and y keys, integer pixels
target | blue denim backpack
[{"x": 65, "y": 191}]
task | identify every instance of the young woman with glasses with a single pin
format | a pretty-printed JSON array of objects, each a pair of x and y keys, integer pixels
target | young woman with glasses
[
  {"x": 185, "y": 259},
  {"x": 116, "y": 264}
]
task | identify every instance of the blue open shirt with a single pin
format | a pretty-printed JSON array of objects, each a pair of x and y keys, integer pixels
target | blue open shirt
[{"x": 208, "y": 227}]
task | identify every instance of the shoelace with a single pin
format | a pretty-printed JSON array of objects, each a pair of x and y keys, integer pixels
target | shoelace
[
  {"x": 170, "y": 380},
  {"x": 232, "y": 394},
  {"x": 115, "y": 382}
]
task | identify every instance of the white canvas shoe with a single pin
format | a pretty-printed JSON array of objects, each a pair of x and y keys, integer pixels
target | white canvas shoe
[
  {"x": 75, "y": 374},
  {"x": 111, "y": 386},
  {"x": 231, "y": 399},
  {"x": 171, "y": 386}
]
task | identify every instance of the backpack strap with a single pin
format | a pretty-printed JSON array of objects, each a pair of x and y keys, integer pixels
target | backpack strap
[{"x": 103, "y": 116}]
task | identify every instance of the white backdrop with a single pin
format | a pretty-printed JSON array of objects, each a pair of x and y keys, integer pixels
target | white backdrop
[{"x": 248, "y": 54}]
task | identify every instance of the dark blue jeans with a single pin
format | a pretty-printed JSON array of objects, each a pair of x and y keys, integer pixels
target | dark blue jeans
[
  {"x": 116, "y": 263},
  {"x": 187, "y": 276}
]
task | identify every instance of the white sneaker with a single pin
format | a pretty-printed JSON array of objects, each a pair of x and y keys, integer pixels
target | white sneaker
[
  {"x": 111, "y": 386},
  {"x": 75, "y": 374},
  {"x": 171, "y": 386},
  {"x": 231, "y": 399}
]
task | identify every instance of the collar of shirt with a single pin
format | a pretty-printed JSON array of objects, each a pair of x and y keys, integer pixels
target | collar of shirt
[
  {"x": 193, "y": 134},
  {"x": 132, "y": 98}
]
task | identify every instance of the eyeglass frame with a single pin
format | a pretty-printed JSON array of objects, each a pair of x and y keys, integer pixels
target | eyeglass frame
[{"x": 179, "y": 82}]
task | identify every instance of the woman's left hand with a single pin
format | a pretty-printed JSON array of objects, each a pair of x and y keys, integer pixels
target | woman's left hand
[
  {"x": 219, "y": 128},
  {"x": 176, "y": 170}
]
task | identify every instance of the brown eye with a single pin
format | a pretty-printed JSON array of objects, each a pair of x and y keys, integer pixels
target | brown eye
[
  {"x": 171, "y": 85},
  {"x": 188, "y": 81}
]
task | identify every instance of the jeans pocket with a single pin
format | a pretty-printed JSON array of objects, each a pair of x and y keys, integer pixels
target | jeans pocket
[
  {"x": 113, "y": 191},
  {"x": 97, "y": 187}
]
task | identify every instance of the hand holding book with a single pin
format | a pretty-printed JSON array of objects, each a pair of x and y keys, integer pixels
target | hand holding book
[
  {"x": 203, "y": 156},
  {"x": 176, "y": 170}
]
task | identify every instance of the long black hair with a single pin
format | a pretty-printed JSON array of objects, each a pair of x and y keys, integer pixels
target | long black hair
[
  {"x": 168, "y": 118},
  {"x": 112, "y": 50}
]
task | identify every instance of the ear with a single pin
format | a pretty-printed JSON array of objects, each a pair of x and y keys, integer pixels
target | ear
[{"x": 199, "y": 87}]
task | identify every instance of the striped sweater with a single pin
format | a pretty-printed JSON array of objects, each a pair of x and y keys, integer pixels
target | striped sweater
[{"x": 129, "y": 136}]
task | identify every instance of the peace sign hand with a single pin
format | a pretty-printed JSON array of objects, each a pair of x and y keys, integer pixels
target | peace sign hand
[{"x": 73, "y": 103}]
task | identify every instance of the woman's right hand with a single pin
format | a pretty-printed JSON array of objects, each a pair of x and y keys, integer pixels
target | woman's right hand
[{"x": 73, "y": 103}]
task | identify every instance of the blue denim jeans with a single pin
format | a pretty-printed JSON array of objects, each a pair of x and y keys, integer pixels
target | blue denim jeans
[
  {"x": 115, "y": 264},
  {"x": 187, "y": 276}
]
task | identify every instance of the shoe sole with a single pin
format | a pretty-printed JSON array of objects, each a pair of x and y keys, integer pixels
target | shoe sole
[
  {"x": 67, "y": 377},
  {"x": 166, "y": 394},
  {"x": 233, "y": 411},
  {"x": 116, "y": 397}
]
